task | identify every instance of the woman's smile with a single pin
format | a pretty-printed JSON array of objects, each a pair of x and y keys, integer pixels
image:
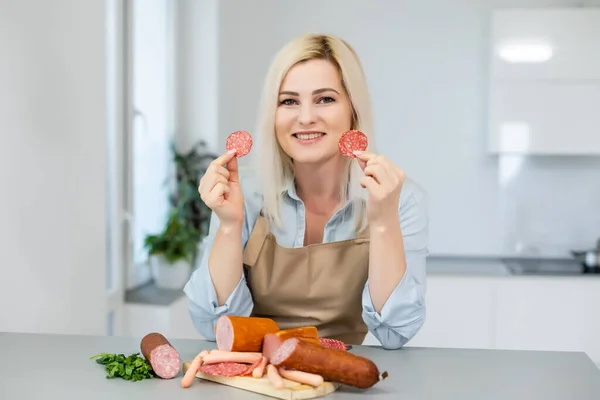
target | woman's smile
[{"x": 308, "y": 137}]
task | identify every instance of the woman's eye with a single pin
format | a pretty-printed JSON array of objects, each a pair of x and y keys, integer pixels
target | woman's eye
[
  {"x": 287, "y": 102},
  {"x": 326, "y": 100}
]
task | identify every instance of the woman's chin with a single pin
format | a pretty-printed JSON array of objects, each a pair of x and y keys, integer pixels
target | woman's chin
[{"x": 312, "y": 158}]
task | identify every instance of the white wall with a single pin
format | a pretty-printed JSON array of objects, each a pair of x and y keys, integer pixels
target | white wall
[
  {"x": 427, "y": 66},
  {"x": 52, "y": 166},
  {"x": 197, "y": 72}
]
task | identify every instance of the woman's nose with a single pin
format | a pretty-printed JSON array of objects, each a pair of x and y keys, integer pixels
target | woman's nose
[{"x": 307, "y": 114}]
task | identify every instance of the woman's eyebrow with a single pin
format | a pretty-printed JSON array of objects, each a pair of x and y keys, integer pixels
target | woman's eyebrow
[{"x": 317, "y": 91}]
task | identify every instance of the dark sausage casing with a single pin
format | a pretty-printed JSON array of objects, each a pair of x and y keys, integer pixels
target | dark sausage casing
[
  {"x": 161, "y": 355},
  {"x": 333, "y": 365}
]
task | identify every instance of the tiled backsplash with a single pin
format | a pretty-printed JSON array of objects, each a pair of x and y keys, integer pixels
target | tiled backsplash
[{"x": 550, "y": 205}]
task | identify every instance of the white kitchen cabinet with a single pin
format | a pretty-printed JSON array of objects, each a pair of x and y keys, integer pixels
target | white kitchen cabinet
[
  {"x": 544, "y": 93},
  {"x": 549, "y": 313},
  {"x": 460, "y": 313},
  {"x": 568, "y": 39},
  {"x": 541, "y": 117}
]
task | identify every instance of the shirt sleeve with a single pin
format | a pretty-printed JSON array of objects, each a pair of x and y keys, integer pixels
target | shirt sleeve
[
  {"x": 403, "y": 314},
  {"x": 203, "y": 305}
]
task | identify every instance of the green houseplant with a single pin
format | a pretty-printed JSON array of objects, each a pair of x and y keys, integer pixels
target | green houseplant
[{"x": 173, "y": 251}]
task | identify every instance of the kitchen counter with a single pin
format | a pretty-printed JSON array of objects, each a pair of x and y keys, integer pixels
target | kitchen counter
[
  {"x": 505, "y": 267},
  {"x": 36, "y": 366}
]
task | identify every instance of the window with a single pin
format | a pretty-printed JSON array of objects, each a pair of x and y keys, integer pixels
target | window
[{"x": 150, "y": 131}]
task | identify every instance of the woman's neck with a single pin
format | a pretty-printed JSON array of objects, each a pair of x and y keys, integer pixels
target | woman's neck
[{"x": 319, "y": 186}]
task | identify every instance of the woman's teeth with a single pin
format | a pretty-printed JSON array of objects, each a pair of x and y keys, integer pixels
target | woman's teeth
[{"x": 308, "y": 136}]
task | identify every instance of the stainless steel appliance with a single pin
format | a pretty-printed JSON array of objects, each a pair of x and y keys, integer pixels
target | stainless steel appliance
[{"x": 588, "y": 258}]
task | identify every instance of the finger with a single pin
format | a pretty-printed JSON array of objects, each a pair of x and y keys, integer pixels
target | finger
[
  {"x": 363, "y": 157},
  {"x": 369, "y": 183},
  {"x": 218, "y": 193},
  {"x": 224, "y": 158},
  {"x": 208, "y": 182},
  {"x": 217, "y": 169},
  {"x": 232, "y": 166},
  {"x": 378, "y": 172}
]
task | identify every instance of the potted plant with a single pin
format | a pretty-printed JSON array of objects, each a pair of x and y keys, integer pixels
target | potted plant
[{"x": 173, "y": 252}]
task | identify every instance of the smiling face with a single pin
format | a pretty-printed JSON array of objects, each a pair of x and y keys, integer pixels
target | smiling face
[{"x": 313, "y": 112}]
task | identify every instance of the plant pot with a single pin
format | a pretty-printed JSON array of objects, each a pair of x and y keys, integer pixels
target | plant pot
[{"x": 169, "y": 276}]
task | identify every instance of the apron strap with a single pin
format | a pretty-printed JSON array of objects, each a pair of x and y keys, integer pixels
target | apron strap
[
  {"x": 260, "y": 233},
  {"x": 255, "y": 241}
]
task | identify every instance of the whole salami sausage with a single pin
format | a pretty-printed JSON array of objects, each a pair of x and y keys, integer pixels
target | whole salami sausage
[
  {"x": 333, "y": 365},
  {"x": 161, "y": 355},
  {"x": 238, "y": 333}
]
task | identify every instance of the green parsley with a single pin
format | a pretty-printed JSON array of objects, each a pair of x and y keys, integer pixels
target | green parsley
[{"x": 131, "y": 368}]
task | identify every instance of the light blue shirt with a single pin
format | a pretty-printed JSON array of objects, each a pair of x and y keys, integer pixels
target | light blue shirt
[{"x": 403, "y": 313}]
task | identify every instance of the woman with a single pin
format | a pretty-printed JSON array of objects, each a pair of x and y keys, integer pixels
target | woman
[{"x": 320, "y": 239}]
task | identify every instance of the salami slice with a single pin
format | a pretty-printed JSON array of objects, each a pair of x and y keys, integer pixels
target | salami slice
[
  {"x": 224, "y": 369},
  {"x": 241, "y": 141},
  {"x": 333, "y": 344},
  {"x": 352, "y": 141}
]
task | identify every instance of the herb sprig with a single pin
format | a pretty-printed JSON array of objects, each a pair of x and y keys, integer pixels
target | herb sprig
[{"x": 131, "y": 368}]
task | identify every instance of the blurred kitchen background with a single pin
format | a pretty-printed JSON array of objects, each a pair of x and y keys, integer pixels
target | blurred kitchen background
[{"x": 491, "y": 105}]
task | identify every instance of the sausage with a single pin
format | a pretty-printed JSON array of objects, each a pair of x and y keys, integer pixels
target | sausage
[
  {"x": 231, "y": 356},
  {"x": 274, "y": 377},
  {"x": 302, "y": 377},
  {"x": 161, "y": 355},
  {"x": 333, "y": 344},
  {"x": 253, "y": 367},
  {"x": 237, "y": 333},
  {"x": 333, "y": 365},
  {"x": 303, "y": 331},
  {"x": 190, "y": 374},
  {"x": 273, "y": 340},
  {"x": 259, "y": 371}
]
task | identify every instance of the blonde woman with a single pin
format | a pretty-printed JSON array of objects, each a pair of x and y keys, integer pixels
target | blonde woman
[{"x": 314, "y": 238}]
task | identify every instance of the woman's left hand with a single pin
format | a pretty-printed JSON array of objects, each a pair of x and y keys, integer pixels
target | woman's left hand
[{"x": 384, "y": 182}]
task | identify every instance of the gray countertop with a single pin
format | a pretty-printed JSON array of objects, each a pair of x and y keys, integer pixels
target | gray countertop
[{"x": 38, "y": 366}]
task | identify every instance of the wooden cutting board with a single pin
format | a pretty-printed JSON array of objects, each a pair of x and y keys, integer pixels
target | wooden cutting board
[{"x": 291, "y": 391}]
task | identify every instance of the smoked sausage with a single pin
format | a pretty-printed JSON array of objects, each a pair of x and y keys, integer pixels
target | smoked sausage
[
  {"x": 161, "y": 355},
  {"x": 238, "y": 333},
  {"x": 272, "y": 341},
  {"x": 333, "y": 365}
]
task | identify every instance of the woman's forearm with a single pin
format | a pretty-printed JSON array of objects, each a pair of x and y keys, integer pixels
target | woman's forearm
[
  {"x": 387, "y": 261},
  {"x": 225, "y": 261}
]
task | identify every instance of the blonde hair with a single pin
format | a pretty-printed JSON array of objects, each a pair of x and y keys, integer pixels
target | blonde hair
[{"x": 275, "y": 166}]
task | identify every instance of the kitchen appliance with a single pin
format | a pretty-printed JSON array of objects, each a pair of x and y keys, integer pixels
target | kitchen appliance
[
  {"x": 546, "y": 266},
  {"x": 589, "y": 259}
]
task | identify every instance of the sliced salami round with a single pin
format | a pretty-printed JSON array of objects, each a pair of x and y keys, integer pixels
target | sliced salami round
[
  {"x": 333, "y": 344},
  {"x": 352, "y": 141},
  {"x": 241, "y": 141},
  {"x": 224, "y": 369}
]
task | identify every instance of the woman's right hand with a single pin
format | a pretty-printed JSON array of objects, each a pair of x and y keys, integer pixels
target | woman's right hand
[{"x": 221, "y": 191}]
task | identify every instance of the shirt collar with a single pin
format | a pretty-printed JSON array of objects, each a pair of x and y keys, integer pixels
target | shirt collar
[{"x": 290, "y": 190}]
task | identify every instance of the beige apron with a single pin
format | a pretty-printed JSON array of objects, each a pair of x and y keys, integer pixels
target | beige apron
[{"x": 318, "y": 285}]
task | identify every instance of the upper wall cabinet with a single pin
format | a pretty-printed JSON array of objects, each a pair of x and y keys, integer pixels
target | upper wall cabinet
[
  {"x": 546, "y": 44},
  {"x": 544, "y": 95}
]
